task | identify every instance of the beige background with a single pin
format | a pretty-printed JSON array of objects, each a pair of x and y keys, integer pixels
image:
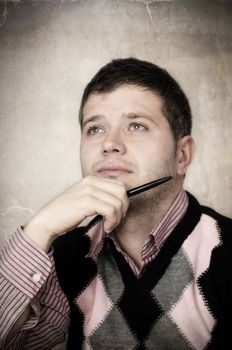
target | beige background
[{"x": 48, "y": 52}]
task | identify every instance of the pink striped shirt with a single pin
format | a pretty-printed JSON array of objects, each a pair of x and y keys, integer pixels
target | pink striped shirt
[{"x": 28, "y": 277}]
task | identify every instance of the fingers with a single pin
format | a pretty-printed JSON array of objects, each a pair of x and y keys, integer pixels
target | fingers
[
  {"x": 107, "y": 190},
  {"x": 112, "y": 208},
  {"x": 105, "y": 197},
  {"x": 89, "y": 197}
]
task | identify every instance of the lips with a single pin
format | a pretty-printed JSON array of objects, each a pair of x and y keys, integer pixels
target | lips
[{"x": 113, "y": 170}]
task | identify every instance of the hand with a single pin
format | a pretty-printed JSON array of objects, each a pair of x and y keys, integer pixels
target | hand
[{"x": 90, "y": 196}]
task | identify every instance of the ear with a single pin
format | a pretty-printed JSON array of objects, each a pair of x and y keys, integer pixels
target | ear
[{"x": 185, "y": 153}]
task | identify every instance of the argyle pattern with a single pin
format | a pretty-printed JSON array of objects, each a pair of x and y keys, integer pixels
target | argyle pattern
[
  {"x": 167, "y": 314},
  {"x": 182, "y": 300}
]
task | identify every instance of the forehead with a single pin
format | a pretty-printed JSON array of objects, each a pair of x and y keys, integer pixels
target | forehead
[{"x": 124, "y": 99}]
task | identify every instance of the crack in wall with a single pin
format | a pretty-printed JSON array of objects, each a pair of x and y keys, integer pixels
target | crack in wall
[
  {"x": 147, "y": 5},
  {"x": 150, "y": 16},
  {"x": 16, "y": 208}
]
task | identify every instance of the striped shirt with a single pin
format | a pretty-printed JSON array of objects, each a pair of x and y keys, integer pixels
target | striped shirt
[{"x": 28, "y": 277}]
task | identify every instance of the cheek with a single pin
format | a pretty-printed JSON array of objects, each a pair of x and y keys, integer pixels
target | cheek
[
  {"x": 87, "y": 157},
  {"x": 84, "y": 157},
  {"x": 158, "y": 155}
]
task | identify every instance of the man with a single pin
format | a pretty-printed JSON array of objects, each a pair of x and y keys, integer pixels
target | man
[{"x": 149, "y": 272}]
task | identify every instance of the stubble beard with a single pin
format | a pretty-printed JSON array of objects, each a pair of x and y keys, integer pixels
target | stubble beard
[
  {"x": 152, "y": 200},
  {"x": 147, "y": 202},
  {"x": 146, "y": 209}
]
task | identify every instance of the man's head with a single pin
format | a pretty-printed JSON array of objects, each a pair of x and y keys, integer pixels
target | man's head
[
  {"x": 135, "y": 126},
  {"x": 131, "y": 71}
]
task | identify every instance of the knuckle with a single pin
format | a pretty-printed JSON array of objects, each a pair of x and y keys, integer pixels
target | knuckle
[
  {"x": 119, "y": 206},
  {"x": 112, "y": 211}
]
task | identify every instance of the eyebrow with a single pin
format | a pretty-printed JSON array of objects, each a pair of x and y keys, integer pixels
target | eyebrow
[
  {"x": 140, "y": 115},
  {"x": 94, "y": 118},
  {"x": 131, "y": 116}
]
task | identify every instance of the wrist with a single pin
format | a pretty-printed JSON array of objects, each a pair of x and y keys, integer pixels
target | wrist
[{"x": 38, "y": 234}]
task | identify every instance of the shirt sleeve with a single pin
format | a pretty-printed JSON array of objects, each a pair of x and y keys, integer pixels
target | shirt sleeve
[{"x": 28, "y": 279}]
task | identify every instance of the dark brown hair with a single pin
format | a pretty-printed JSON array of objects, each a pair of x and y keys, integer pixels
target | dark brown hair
[{"x": 132, "y": 71}]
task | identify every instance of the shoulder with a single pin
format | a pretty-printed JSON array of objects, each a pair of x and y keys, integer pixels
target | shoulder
[
  {"x": 224, "y": 226},
  {"x": 217, "y": 216},
  {"x": 223, "y": 223}
]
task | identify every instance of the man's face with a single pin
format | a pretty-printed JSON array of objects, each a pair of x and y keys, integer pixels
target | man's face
[{"x": 125, "y": 136}]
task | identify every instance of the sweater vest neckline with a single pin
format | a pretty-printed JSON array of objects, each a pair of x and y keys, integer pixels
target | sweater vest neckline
[{"x": 157, "y": 267}]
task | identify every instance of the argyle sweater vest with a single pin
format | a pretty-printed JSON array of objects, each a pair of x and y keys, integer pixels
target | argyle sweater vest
[{"x": 182, "y": 301}]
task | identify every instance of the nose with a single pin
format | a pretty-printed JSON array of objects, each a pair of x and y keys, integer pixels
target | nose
[{"x": 113, "y": 143}]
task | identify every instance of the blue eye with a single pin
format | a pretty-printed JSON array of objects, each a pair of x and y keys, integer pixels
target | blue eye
[
  {"x": 137, "y": 127},
  {"x": 94, "y": 130}
]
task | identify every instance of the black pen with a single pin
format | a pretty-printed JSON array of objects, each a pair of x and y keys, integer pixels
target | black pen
[{"x": 147, "y": 186}]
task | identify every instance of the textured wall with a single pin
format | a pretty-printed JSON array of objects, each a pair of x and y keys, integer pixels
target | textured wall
[
  {"x": 48, "y": 52},
  {"x": 50, "y": 49}
]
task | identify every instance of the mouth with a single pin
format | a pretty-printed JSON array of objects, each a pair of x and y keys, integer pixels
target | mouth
[{"x": 113, "y": 170}]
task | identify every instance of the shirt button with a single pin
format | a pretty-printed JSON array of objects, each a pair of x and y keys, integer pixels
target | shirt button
[{"x": 36, "y": 277}]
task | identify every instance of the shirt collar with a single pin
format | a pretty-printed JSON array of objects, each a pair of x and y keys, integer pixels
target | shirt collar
[
  {"x": 169, "y": 221},
  {"x": 173, "y": 215}
]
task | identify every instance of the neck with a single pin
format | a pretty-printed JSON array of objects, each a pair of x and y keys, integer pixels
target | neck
[{"x": 144, "y": 214}]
